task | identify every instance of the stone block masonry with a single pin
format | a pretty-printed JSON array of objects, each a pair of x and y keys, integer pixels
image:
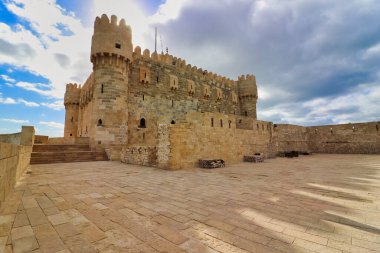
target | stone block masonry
[{"x": 14, "y": 159}]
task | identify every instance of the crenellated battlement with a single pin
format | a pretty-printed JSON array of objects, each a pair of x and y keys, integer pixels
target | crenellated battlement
[
  {"x": 111, "y": 41},
  {"x": 181, "y": 64},
  {"x": 72, "y": 94},
  {"x": 104, "y": 24}
]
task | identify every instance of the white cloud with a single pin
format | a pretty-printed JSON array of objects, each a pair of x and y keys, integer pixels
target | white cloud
[
  {"x": 37, "y": 52},
  {"x": 7, "y": 78},
  {"x": 57, "y": 105},
  {"x": 27, "y": 103},
  {"x": 9, "y": 101},
  {"x": 19, "y": 121},
  {"x": 52, "y": 124},
  {"x": 36, "y": 87}
]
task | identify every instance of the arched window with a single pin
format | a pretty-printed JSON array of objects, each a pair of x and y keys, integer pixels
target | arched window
[
  {"x": 173, "y": 122},
  {"x": 229, "y": 124},
  {"x": 100, "y": 122},
  {"x": 142, "y": 123}
]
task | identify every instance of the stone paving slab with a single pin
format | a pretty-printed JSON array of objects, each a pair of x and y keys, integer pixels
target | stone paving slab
[{"x": 318, "y": 203}]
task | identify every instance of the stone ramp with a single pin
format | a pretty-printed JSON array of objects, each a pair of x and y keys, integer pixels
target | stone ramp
[{"x": 43, "y": 154}]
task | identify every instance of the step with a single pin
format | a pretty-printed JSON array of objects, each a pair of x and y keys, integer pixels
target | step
[
  {"x": 60, "y": 147},
  {"x": 67, "y": 157}
]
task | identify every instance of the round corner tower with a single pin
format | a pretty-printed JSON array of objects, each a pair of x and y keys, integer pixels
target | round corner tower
[
  {"x": 248, "y": 95},
  {"x": 111, "y": 54},
  {"x": 71, "y": 102}
]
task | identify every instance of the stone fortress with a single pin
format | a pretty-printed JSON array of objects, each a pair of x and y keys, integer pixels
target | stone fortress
[{"x": 154, "y": 109}]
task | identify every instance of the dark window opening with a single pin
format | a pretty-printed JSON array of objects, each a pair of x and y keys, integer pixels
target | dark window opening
[
  {"x": 102, "y": 89},
  {"x": 72, "y": 119},
  {"x": 331, "y": 130},
  {"x": 221, "y": 123},
  {"x": 142, "y": 123},
  {"x": 143, "y": 97},
  {"x": 173, "y": 122},
  {"x": 172, "y": 103},
  {"x": 117, "y": 45},
  {"x": 145, "y": 74},
  {"x": 71, "y": 134},
  {"x": 229, "y": 124},
  {"x": 246, "y": 113},
  {"x": 240, "y": 121},
  {"x": 100, "y": 122},
  {"x": 212, "y": 122},
  {"x": 157, "y": 79}
]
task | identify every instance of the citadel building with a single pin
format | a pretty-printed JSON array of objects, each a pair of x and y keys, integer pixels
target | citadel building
[{"x": 154, "y": 109}]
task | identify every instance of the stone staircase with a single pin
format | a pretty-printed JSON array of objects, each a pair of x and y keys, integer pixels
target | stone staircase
[{"x": 65, "y": 153}]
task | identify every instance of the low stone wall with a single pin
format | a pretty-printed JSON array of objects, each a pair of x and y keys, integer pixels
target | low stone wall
[
  {"x": 288, "y": 138},
  {"x": 11, "y": 138},
  {"x": 142, "y": 155},
  {"x": 358, "y": 138},
  {"x": 68, "y": 140},
  {"x": 41, "y": 139},
  {"x": 210, "y": 136},
  {"x": 14, "y": 159}
]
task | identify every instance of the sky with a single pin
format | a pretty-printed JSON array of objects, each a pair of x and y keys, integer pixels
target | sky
[{"x": 316, "y": 62}]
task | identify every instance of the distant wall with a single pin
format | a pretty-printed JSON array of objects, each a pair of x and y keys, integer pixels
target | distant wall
[
  {"x": 358, "y": 138},
  {"x": 14, "y": 159},
  {"x": 41, "y": 139},
  {"x": 290, "y": 138}
]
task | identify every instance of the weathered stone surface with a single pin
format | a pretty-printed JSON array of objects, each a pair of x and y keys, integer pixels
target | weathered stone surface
[{"x": 320, "y": 203}]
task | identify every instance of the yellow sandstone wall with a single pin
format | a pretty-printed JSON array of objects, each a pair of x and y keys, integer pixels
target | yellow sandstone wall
[
  {"x": 209, "y": 136},
  {"x": 358, "y": 138},
  {"x": 14, "y": 160}
]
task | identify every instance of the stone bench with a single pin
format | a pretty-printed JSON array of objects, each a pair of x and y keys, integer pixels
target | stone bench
[
  {"x": 256, "y": 158},
  {"x": 211, "y": 163}
]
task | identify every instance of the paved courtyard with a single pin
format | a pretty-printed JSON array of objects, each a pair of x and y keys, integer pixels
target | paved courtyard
[{"x": 318, "y": 203}]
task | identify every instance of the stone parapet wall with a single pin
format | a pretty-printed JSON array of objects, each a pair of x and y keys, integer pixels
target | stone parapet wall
[
  {"x": 288, "y": 138},
  {"x": 356, "y": 138},
  {"x": 11, "y": 138},
  {"x": 14, "y": 158}
]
